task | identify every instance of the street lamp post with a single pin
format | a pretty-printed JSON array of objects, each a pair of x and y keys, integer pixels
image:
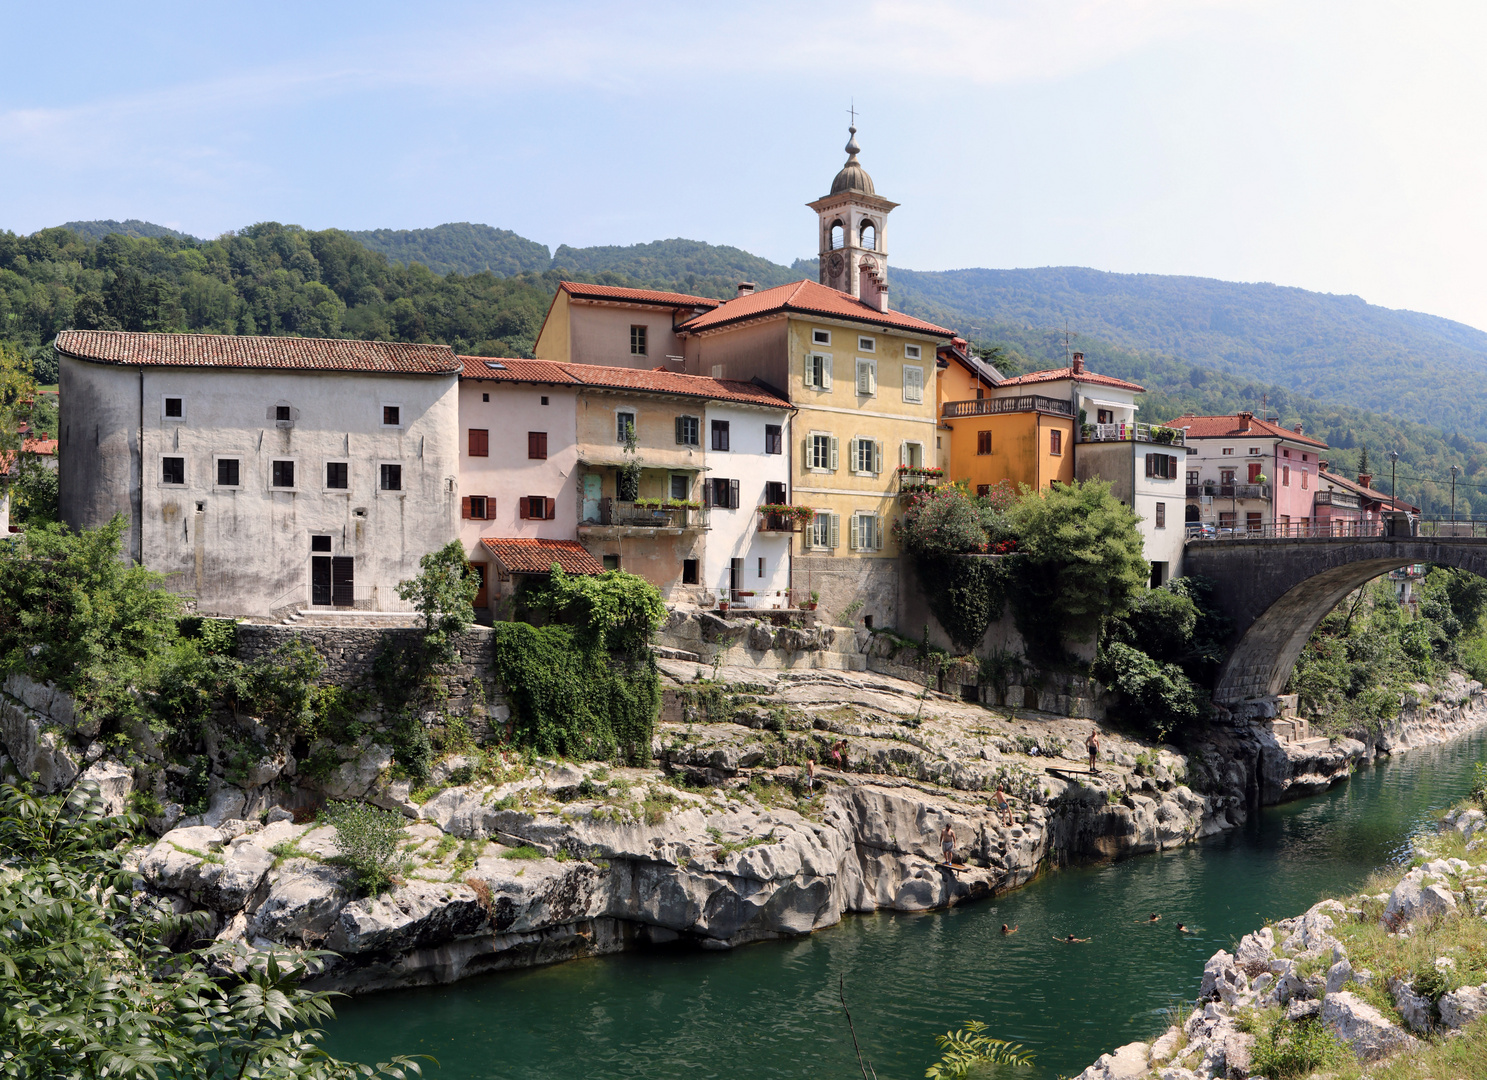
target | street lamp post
[
  {"x": 1454, "y": 470},
  {"x": 1393, "y": 497}
]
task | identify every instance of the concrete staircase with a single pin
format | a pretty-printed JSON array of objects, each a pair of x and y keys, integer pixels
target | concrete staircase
[{"x": 1294, "y": 731}]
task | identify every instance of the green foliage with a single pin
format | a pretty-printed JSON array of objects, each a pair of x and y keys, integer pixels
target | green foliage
[
  {"x": 459, "y": 248},
  {"x": 444, "y": 593},
  {"x": 90, "y": 987},
  {"x": 1153, "y": 696},
  {"x": 33, "y": 494},
  {"x": 612, "y": 612},
  {"x": 367, "y": 838},
  {"x": 971, "y": 1048},
  {"x": 1478, "y": 793},
  {"x": 1288, "y": 1049},
  {"x": 965, "y": 594}
]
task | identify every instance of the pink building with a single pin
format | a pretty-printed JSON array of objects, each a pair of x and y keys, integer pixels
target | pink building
[{"x": 1246, "y": 474}]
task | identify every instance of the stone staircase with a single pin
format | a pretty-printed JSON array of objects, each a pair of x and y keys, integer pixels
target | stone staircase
[{"x": 1294, "y": 731}]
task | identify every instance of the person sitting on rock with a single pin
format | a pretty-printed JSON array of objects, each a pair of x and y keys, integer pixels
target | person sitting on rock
[{"x": 947, "y": 844}]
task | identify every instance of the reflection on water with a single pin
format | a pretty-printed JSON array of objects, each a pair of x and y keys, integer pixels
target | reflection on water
[{"x": 771, "y": 1010}]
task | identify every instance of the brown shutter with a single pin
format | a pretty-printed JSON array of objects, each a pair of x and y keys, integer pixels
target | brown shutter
[
  {"x": 479, "y": 442},
  {"x": 537, "y": 445},
  {"x": 707, "y": 493},
  {"x": 524, "y": 508},
  {"x": 1149, "y": 464},
  {"x": 490, "y": 507},
  {"x": 465, "y": 507},
  {"x": 733, "y": 494}
]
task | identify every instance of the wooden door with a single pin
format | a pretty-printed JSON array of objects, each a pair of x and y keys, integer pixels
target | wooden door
[
  {"x": 343, "y": 580},
  {"x": 320, "y": 579},
  {"x": 479, "y": 570}
]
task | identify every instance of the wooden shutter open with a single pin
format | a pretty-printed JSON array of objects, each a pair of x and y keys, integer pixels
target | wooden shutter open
[
  {"x": 707, "y": 493},
  {"x": 465, "y": 507},
  {"x": 834, "y": 446},
  {"x": 524, "y": 508},
  {"x": 834, "y": 533},
  {"x": 733, "y": 494}
]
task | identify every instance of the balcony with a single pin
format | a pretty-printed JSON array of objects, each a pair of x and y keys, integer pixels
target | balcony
[
  {"x": 992, "y": 406},
  {"x": 1133, "y": 432},
  {"x": 914, "y": 480},
  {"x": 645, "y": 518},
  {"x": 1343, "y": 500},
  {"x": 779, "y": 518},
  {"x": 1229, "y": 491}
]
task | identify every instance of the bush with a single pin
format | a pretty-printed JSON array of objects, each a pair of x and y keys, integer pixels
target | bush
[
  {"x": 1153, "y": 696},
  {"x": 368, "y": 839},
  {"x": 1286, "y": 1050},
  {"x": 611, "y": 612},
  {"x": 444, "y": 593}
]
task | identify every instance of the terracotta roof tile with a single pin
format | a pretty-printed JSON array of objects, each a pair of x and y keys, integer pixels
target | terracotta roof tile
[
  {"x": 641, "y": 380},
  {"x": 249, "y": 351},
  {"x": 526, "y": 556},
  {"x": 581, "y": 291},
  {"x": 1055, "y": 374},
  {"x": 808, "y": 298},
  {"x": 42, "y": 447},
  {"x": 1228, "y": 427}
]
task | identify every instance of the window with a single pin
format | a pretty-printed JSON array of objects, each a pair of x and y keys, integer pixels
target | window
[
  {"x": 544, "y": 399},
  {"x": 283, "y": 474},
  {"x": 820, "y": 337},
  {"x": 1161, "y": 515},
  {"x": 838, "y": 236},
  {"x": 721, "y": 493},
  {"x": 319, "y": 543},
  {"x": 1285, "y": 475},
  {"x": 867, "y": 456},
  {"x": 825, "y": 531},
  {"x": 487, "y": 397},
  {"x": 283, "y": 414},
  {"x": 1228, "y": 450},
  {"x": 912, "y": 455},
  {"x": 1193, "y": 476},
  {"x": 821, "y": 453},
  {"x": 983, "y": 442},
  {"x": 761, "y": 565},
  {"x": 1305, "y": 457},
  {"x": 818, "y": 371},
  {"x": 173, "y": 470},
  {"x": 1056, "y": 442},
  {"x": 1252, "y": 521},
  {"x": 681, "y": 486},
  {"x": 1104, "y": 416},
  {"x": 1226, "y": 519},
  {"x": 867, "y": 344},
  {"x": 637, "y": 341},
  {"x": 228, "y": 472},
  {"x": 624, "y": 426},
  {"x": 1285, "y": 453},
  {"x": 478, "y": 507},
  {"x": 867, "y": 532},
  {"x": 774, "y": 493},
  {"x": 392, "y": 416},
  {"x": 611, "y": 562},
  {"x": 1226, "y": 476},
  {"x": 537, "y": 508},
  {"x": 867, "y": 376},
  {"x": 688, "y": 430},
  {"x": 1161, "y": 466},
  {"x": 392, "y": 477},
  {"x": 689, "y": 571},
  {"x": 869, "y": 235},
  {"x": 720, "y": 434},
  {"x": 337, "y": 475},
  {"x": 774, "y": 439},
  {"x": 536, "y": 446},
  {"x": 911, "y": 352},
  {"x": 1254, "y": 451},
  {"x": 1254, "y": 472},
  {"x": 1305, "y": 479},
  {"x": 480, "y": 442},
  {"x": 913, "y": 383},
  {"x": 175, "y": 408}
]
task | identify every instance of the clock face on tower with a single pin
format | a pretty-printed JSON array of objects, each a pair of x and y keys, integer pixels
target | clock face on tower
[{"x": 835, "y": 263}]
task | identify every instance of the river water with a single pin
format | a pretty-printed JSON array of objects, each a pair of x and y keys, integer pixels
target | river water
[{"x": 771, "y": 1010}]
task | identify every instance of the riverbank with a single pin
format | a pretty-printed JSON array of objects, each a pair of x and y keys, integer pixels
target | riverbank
[{"x": 511, "y": 864}]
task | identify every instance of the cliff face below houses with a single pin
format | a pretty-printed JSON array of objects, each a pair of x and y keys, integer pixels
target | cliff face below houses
[{"x": 513, "y": 863}]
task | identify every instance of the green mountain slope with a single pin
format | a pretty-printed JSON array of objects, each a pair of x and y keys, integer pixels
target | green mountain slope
[
  {"x": 461, "y": 248},
  {"x": 97, "y": 230},
  {"x": 688, "y": 265}
]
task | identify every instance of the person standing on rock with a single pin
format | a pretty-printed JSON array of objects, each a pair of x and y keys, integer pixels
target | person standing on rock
[
  {"x": 810, "y": 775},
  {"x": 1093, "y": 745},
  {"x": 1003, "y": 806},
  {"x": 947, "y": 844}
]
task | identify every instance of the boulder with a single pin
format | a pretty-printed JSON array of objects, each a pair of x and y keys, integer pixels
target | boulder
[
  {"x": 1219, "y": 969},
  {"x": 1412, "y": 900},
  {"x": 36, "y": 747},
  {"x": 1363, "y": 1027},
  {"x": 52, "y": 702},
  {"x": 193, "y": 862},
  {"x": 278, "y": 814},
  {"x": 761, "y": 637},
  {"x": 115, "y": 784},
  {"x": 1339, "y": 975},
  {"x": 417, "y": 915},
  {"x": 1126, "y": 1063},
  {"x": 1300, "y": 1009},
  {"x": 1461, "y": 1006},
  {"x": 1414, "y": 1007},
  {"x": 353, "y": 779},
  {"x": 300, "y": 906},
  {"x": 1256, "y": 951}
]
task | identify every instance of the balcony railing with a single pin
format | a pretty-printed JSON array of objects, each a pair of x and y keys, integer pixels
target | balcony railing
[
  {"x": 913, "y": 481},
  {"x": 1229, "y": 491},
  {"x": 993, "y": 406},
  {"x": 1343, "y": 499},
  {"x": 778, "y": 523},
  {"x": 637, "y": 516},
  {"x": 1133, "y": 432}
]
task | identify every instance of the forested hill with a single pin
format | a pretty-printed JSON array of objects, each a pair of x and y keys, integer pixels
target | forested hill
[{"x": 460, "y": 248}]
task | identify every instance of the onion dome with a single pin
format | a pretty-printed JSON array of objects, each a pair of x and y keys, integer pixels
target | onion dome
[{"x": 853, "y": 176}]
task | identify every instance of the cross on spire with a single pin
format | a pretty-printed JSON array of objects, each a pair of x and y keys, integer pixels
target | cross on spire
[{"x": 853, "y": 113}]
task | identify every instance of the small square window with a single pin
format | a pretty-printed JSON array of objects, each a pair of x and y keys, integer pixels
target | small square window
[
  {"x": 391, "y": 416},
  {"x": 637, "y": 341},
  {"x": 689, "y": 571},
  {"x": 612, "y": 562},
  {"x": 820, "y": 337},
  {"x": 319, "y": 543},
  {"x": 283, "y": 414},
  {"x": 337, "y": 475},
  {"x": 487, "y": 397},
  {"x": 392, "y": 478},
  {"x": 283, "y": 474},
  {"x": 866, "y": 344},
  {"x": 911, "y": 352},
  {"x": 175, "y": 408},
  {"x": 228, "y": 472},
  {"x": 173, "y": 470},
  {"x": 624, "y": 426},
  {"x": 544, "y": 399}
]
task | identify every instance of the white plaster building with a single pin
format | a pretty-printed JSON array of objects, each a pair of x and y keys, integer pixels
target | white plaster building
[
  {"x": 263, "y": 474},
  {"x": 747, "y": 556}
]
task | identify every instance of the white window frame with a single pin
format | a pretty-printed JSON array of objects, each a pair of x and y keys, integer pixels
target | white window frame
[
  {"x": 697, "y": 420},
  {"x": 269, "y": 474},
  {"x": 825, "y": 528},
  {"x": 867, "y": 344},
  {"x": 912, "y": 352},
  {"x": 820, "y": 336},
  {"x": 185, "y": 471},
  {"x": 402, "y": 489},
  {"x": 831, "y": 452},
  {"x": 818, "y": 381},
  {"x": 870, "y": 365},
  {"x": 227, "y": 457},
  {"x": 856, "y": 541},
  {"x": 173, "y": 419},
  {"x": 918, "y": 398},
  {"x": 904, "y": 455},
  {"x": 398, "y": 405},
  {"x": 873, "y": 449},
  {"x": 634, "y": 415},
  {"x": 325, "y": 486}
]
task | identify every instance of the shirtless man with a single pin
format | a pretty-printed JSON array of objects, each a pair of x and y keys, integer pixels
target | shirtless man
[
  {"x": 947, "y": 843},
  {"x": 1003, "y": 805},
  {"x": 1072, "y": 940},
  {"x": 1093, "y": 745},
  {"x": 1008, "y": 929}
]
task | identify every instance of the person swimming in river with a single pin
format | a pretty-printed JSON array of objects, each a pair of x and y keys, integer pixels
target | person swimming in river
[
  {"x": 1181, "y": 929},
  {"x": 1154, "y": 918},
  {"x": 1072, "y": 940},
  {"x": 1008, "y": 929}
]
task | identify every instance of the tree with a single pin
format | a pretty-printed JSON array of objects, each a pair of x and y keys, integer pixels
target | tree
[{"x": 444, "y": 593}]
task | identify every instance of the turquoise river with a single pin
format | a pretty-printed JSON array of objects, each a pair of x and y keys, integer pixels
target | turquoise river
[{"x": 771, "y": 1010}]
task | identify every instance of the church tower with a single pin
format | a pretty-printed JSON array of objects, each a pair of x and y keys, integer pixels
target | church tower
[{"x": 854, "y": 246}]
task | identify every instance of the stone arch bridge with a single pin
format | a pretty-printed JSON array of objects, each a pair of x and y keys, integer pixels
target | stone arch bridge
[{"x": 1278, "y": 589}]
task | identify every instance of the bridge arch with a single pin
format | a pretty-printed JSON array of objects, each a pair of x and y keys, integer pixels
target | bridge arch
[{"x": 1277, "y": 591}]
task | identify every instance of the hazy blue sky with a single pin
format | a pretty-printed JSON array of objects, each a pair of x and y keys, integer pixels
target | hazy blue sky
[{"x": 1336, "y": 146}]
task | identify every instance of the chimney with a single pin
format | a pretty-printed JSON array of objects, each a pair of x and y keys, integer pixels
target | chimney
[
  {"x": 1297, "y": 430},
  {"x": 745, "y": 288},
  {"x": 1244, "y": 422},
  {"x": 1323, "y": 464},
  {"x": 1365, "y": 480},
  {"x": 1076, "y": 365}
]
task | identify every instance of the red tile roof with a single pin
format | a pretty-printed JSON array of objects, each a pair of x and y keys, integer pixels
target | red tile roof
[
  {"x": 249, "y": 351},
  {"x": 581, "y": 291},
  {"x": 43, "y": 447},
  {"x": 1228, "y": 427},
  {"x": 641, "y": 380},
  {"x": 1086, "y": 376},
  {"x": 523, "y": 556},
  {"x": 808, "y": 298},
  {"x": 1366, "y": 492}
]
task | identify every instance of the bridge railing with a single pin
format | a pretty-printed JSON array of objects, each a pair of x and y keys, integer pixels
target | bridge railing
[{"x": 1348, "y": 529}]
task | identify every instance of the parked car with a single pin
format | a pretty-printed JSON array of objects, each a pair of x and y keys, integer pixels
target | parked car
[{"x": 1200, "y": 530}]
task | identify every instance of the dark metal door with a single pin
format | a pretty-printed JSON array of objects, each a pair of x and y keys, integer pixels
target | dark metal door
[
  {"x": 320, "y": 579},
  {"x": 342, "y": 580}
]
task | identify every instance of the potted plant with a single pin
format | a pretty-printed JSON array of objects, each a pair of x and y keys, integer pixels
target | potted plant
[
  {"x": 810, "y": 605},
  {"x": 723, "y": 605},
  {"x": 1262, "y": 479}
]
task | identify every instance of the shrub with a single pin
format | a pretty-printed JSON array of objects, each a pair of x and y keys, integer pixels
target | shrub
[
  {"x": 1286, "y": 1050},
  {"x": 368, "y": 839},
  {"x": 1153, "y": 696},
  {"x": 444, "y": 593},
  {"x": 613, "y": 612},
  {"x": 1479, "y": 784}
]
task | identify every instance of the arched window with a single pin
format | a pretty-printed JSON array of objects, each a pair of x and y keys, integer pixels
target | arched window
[
  {"x": 869, "y": 236},
  {"x": 838, "y": 235}
]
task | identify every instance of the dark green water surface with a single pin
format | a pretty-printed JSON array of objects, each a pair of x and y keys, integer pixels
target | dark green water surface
[{"x": 771, "y": 1009}]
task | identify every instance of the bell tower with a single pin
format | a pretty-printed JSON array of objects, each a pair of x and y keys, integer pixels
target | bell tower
[{"x": 853, "y": 223}]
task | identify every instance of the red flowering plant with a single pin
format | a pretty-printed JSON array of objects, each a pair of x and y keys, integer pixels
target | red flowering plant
[{"x": 949, "y": 521}]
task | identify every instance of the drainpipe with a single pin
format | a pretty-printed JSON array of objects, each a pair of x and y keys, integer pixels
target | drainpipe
[{"x": 139, "y": 506}]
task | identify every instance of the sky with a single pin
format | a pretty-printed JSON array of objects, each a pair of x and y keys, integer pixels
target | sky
[{"x": 1335, "y": 146}]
